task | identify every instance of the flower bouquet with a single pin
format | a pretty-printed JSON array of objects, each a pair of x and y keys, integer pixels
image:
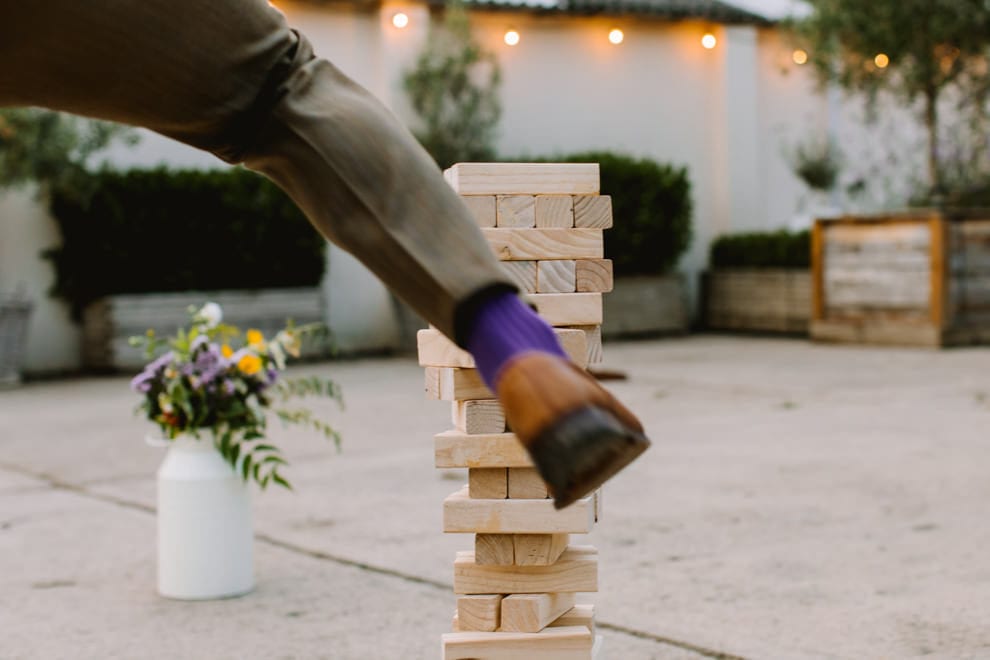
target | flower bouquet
[{"x": 215, "y": 379}]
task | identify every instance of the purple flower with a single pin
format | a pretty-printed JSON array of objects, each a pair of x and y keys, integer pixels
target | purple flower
[{"x": 228, "y": 387}]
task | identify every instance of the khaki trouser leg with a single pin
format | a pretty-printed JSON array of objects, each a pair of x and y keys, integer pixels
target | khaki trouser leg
[{"x": 229, "y": 76}]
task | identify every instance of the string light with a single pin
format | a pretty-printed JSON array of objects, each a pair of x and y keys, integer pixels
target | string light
[
  {"x": 400, "y": 20},
  {"x": 709, "y": 41},
  {"x": 799, "y": 56},
  {"x": 881, "y": 60},
  {"x": 616, "y": 36},
  {"x": 511, "y": 37}
]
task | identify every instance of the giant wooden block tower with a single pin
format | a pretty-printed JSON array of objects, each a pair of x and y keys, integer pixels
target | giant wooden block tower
[{"x": 516, "y": 590}]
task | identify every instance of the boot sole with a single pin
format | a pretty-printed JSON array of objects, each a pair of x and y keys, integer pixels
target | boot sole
[{"x": 583, "y": 450}]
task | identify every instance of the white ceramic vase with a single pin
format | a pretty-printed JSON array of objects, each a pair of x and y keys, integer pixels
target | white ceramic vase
[{"x": 205, "y": 534}]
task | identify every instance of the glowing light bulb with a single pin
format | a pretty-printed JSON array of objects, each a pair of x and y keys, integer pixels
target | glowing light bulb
[
  {"x": 400, "y": 20},
  {"x": 616, "y": 36},
  {"x": 709, "y": 41},
  {"x": 881, "y": 60},
  {"x": 799, "y": 56},
  {"x": 511, "y": 37}
]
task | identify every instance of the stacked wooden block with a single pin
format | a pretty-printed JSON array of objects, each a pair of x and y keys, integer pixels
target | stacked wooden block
[{"x": 517, "y": 588}]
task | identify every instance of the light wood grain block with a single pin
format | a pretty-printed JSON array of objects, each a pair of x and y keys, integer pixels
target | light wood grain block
[
  {"x": 554, "y": 211},
  {"x": 582, "y": 614},
  {"x": 522, "y": 273},
  {"x": 494, "y": 549},
  {"x": 556, "y": 276},
  {"x": 488, "y": 483},
  {"x": 538, "y": 549},
  {"x": 593, "y": 275},
  {"x": 478, "y": 416},
  {"x": 593, "y": 211},
  {"x": 516, "y": 211},
  {"x": 461, "y": 514},
  {"x": 431, "y": 382},
  {"x": 453, "y": 449},
  {"x": 435, "y": 350},
  {"x": 523, "y": 178},
  {"x": 481, "y": 612},
  {"x": 482, "y": 207},
  {"x": 564, "y": 643},
  {"x": 575, "y": 570},
  {"x": 533, "y": 612},
  {"x": 568, "y": 309},
  {"x": 452, "y": 384},
  {"x": 536, "y": 244},
  {"x": 526, "y": 484},
  {"x": 593, "y": 335}
]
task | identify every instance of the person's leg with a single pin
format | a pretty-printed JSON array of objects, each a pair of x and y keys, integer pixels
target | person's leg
[{"x": 229, "y": 76}]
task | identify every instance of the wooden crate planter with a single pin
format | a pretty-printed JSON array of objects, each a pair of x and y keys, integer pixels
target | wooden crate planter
[
  {"x": 110, "y": 321},
  {"x": 913, "y": 279},
  {"x": 757, "y": 299}
]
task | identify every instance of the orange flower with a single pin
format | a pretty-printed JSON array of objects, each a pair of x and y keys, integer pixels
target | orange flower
[{"x": 249, "y": 364}]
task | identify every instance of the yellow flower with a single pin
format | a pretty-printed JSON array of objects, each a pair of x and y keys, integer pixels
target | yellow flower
[
  {"x": 255, "y": 338},
  {"x": 227, "y": 351},
  {"x": 249, "y": 364}
]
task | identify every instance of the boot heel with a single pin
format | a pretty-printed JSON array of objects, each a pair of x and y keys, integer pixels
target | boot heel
[{"x": 582, "y": 450}]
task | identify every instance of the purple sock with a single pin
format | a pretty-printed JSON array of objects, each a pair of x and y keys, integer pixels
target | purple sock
[{"x": 505, "y": 327}]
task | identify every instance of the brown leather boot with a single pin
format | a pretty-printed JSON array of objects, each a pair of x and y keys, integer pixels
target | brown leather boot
[{"x": 577, "y": 434}]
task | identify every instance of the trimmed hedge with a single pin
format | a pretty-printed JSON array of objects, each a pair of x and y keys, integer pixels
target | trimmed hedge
[
  {"x": 777, "y": 249},
  {"x": 651, "y": 203},
  {"x": 160, "y": 230}
]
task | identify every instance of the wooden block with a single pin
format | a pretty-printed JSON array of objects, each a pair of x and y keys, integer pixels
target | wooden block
[
  {"x": 431, "y": 382},
  {"x": 579, "y": 615},
  {"x": 478, "y": 416},
  {"x": 453, "y": 449},
  {"x": 458, "y": 384},
  {"x": 582, "y": 614},
  {"x": 526, "y": 483},
  {"x": 554, "y": 211},
  {"x": 568, "y": 309},
  {"x": 593, "y": 211},
  {"x": 461, "y": 514},
  {"x": 538, "y": 549},
  {"x": 523, "y": 178},
  {"x": 523, "y": 273},
  {"x": 435, "y": 350},
  {"x": 482, "y": 207},
  {"x": 535, "y": 244},
  {"x": 480, "y": 613},
  {"x": 575, "y": 570},
  {"x": 564, "y": 643},
  {"x": 593, "y": 275},
  {"x": 516, "y": 211},
  {"x": 488, "y": 483},
  {"x": 555, "y": 276},
  {"x": 593, "y": 336},
  {"x": 533, "y": 612},
  {"x": 494, "y": 549}
]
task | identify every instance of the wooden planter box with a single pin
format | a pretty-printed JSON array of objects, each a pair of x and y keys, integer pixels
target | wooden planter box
[
  {"x": 757, "y": 299},
  {"x": 646, "y": 305},
  {"x": 109, "y": 322},
  {"x": 912, "y": 279}
]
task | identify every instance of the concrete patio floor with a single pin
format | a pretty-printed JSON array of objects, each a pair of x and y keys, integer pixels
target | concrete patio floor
[{"x": 800, "y": 501}]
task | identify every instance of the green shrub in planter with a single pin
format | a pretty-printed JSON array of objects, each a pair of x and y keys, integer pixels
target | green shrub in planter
[
  {"x": 774, "y": 249},
  {"x": 160, "y": 230},
  {"x": 651, "y": 203}
]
